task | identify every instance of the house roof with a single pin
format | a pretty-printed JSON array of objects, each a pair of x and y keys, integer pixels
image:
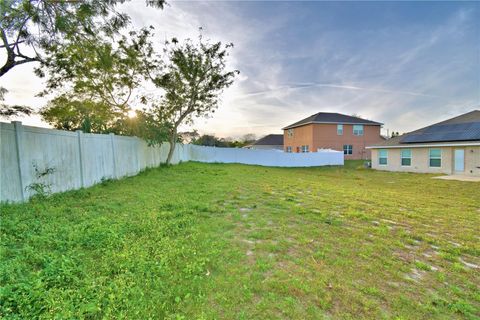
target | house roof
[
  {"x": 270, "y": 140},
  {"x": 461, "y": 129},
  {"x": 328, "y": 117}
]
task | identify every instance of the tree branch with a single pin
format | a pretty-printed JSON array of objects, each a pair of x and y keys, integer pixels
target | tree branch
[{"x": 11, "y": 62}]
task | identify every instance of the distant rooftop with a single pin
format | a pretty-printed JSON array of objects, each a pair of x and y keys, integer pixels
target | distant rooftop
[
  {"x": 465, "y": 127},
  {"x": 270, "y": 140},
  {"x": 328, "y": 117}
]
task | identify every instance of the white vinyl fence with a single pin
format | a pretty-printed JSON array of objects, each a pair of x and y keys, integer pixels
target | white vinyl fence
[
  {"x": 271, "y": 158},
  {"x": 75, "y": 159}
]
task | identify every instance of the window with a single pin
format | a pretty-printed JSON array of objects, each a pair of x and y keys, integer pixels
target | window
[
  {"x": 406, "y": 157},
  {"x": 304, "y": 148},
  {"x": 290, "y": 133},
  {"x": 347, "y": 149},
  {"x": 435, "y": 158},
  {"x": 289, "y": 149},
  {"x": 382, "y": 157},
  {"x": 339, "y": 129},
  {"x": 358, "y": 129}
]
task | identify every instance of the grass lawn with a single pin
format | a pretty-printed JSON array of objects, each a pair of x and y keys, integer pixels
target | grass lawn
[{"x": 217, "y": 241}]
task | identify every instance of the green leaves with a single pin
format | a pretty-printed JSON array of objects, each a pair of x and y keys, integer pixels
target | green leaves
[
  {"x": 193, "y": 79},
  {"x": 49, "y": 25}
]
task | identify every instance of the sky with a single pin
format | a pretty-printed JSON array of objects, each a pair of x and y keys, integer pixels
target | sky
[{"x": 405, "y": 64}]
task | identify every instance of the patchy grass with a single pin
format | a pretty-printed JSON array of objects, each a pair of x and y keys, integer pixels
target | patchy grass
[{"x": 244, "y": 242}]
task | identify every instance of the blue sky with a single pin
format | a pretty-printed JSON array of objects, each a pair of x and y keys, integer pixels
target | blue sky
[{"x": 406, "y": 64}]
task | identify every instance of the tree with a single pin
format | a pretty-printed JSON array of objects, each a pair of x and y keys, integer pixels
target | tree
[
  {"x": 101, "y": 70},
  {"x": 211, "y": 141},
  {"x": 101, "y": 81},
  {"x": 249, "y": 138},
  {"x": 395, "y": 134},
  {"x": 46, "y": 25},
  {"x": 7, "y": 111},
  {"x": 51, "y": 29},
  {"x": 86, "y": 115},
  {"x": 193, "y": 79},
  {"x": 189, "y": 136}
]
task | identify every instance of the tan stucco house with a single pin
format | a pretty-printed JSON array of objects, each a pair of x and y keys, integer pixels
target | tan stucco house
[
  {"x": 325, "y": 130},
  {"x": 449, "y": 147}
]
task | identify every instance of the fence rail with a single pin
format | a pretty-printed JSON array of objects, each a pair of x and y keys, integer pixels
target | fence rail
[{"x": 63, "y": 160}]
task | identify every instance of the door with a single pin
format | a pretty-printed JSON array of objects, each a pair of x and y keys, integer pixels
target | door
[{"x": 459, "y": 160}]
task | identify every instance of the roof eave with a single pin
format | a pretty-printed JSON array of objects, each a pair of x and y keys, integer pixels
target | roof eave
[
  {"x": 425, "y": 145},
  {"x": 330, "y": 122}
]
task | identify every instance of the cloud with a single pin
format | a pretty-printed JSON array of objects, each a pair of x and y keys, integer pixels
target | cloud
[{"x": 404, "y": 64}]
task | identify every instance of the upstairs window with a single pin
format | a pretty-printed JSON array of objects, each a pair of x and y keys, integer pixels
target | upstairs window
[
  {"x": 435, "y": 158},
  {"x": 347, "y": 149},
  {"x": 305, "y": 149},
  {"x": 358, "y": 129},
  {"x": 289, "y": 149},
  {"x": 290, "y": 133},
  {"x": 340, "y": 129},
  {"x": 406, "y": 157},
  {"x": 383, "y": 157}
]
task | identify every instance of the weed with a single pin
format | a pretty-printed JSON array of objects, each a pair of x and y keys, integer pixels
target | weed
[{"x": 171, "y": 243}]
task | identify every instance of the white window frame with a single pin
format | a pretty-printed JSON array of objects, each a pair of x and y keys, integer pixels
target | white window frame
[
  {"x": 430, "y": 157},
  {"x": 402, "y": 157},
  {"x": 305, "y": 149},
  {"x": 380, "y": 157},
  {"x": 290, "y": 133},
  {"x": 347, "y": 149},
  {"x": 289, "y": 149},
  {"x": 339, "y": 129},
  {"x": 357, "y": 131}
]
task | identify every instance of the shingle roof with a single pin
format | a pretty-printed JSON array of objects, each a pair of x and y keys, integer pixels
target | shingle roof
[
  {"x": 270, "y": 140},
  {"x": 463, "y": 128},
  {"x": 328, "y": 117}
]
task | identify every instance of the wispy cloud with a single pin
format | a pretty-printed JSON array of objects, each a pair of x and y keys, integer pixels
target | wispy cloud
[
  {"x": 302, "y": 86},
  {"x": 404, "y": 64}
]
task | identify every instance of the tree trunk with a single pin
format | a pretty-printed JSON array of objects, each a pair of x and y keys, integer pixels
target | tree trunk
[{"x": 173, "y": 142}]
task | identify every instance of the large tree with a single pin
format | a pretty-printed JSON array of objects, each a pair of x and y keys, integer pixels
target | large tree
[
  {"x": 45, "y": 25},
  {"x": 193, "y": 79},
  {"x": 86, "y": 115},
  {"x": 49, "y": 31},
  {"x": 95, "y": 83},
  {"x": 102, "y": 72}
]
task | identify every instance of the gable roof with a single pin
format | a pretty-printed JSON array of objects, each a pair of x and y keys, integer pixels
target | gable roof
[
  {"x": 270, "y": 140},
  {"x": 463, "y": 128},
  {"x": 328, "y": 117}
]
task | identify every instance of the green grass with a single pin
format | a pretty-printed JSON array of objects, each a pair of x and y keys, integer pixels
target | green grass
[{"x": 216, "y": 241}]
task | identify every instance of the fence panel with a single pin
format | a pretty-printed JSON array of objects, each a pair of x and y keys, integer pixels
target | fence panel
[
  {"x": 272, "y": 158},
  {"x": 83, "y": 159}
]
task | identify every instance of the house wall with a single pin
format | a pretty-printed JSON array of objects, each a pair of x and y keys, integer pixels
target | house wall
[
  {"x": 324, "y": 136},
  {"x": 420, "y": 161},
  {"x": 472, "y": 161},
  {"x": 301, "y": 136}
]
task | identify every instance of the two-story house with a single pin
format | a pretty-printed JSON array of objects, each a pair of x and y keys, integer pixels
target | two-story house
[{"x": 335, "y": 131}]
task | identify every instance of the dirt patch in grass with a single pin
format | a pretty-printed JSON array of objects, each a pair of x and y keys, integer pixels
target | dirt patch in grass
[{"x": 252, "y": 243}]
